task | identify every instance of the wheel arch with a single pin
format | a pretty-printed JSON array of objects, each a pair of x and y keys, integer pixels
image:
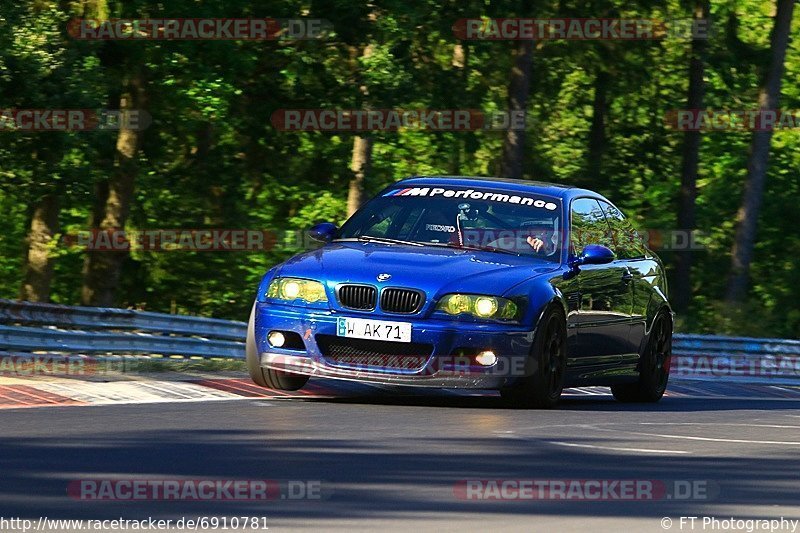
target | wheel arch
[
  {"x": 541, "y": 294},
  {"x": 656, "y": 307}
]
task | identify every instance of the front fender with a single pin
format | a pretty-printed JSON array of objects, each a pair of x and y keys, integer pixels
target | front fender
[
  {"x": 539, "y": 293},
  {"x": 658, "y": 302},
  {"x": 264, "y": 284}
]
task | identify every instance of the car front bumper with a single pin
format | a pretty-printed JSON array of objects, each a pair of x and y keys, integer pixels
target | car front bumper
[{"x": 442, "y": 368}]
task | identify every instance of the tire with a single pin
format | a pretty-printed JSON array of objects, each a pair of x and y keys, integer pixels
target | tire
[
  {"x": 265, "y": 377},
  {"x": 653, "y": 366},
  {"x": 542, "y": 388}
]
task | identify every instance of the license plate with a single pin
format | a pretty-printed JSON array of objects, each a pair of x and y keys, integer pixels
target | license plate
[{"x": 383, "y": 330}]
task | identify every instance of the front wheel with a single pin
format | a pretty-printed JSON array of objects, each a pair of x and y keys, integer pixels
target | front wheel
[
  {"x": 266, "y": 377},
  {"x": 542, "y": 388},
  {"x": 653, "y": 366}
]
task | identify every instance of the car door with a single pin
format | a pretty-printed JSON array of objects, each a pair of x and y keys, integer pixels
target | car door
[
  {"x": 602, "y": 305},
  {"x": 643, "y": 267}
]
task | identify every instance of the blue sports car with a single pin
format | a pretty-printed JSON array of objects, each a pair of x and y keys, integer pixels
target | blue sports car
[{"x": 480, "y": 283}]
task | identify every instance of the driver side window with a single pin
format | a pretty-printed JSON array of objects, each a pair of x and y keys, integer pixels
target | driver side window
[
  {"x": 589, "y": 225},
  {"x": 628, "y": 244},
  {"x": 378, "y": 224}
]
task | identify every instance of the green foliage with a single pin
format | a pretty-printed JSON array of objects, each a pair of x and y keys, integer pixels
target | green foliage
[{"x": 211, "y": 158}]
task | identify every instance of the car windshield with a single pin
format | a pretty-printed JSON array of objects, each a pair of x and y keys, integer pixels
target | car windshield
[{"x": 498, "y": 221}]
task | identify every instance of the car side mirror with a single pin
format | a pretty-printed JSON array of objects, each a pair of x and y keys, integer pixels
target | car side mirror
[
  {"x": 322, "y": 232},
  {"x": 596, "y": 254},
  {"x": 593, "y": 254}
]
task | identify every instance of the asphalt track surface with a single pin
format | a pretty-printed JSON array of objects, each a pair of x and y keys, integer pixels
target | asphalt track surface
[{"x": 393, "y": 459}]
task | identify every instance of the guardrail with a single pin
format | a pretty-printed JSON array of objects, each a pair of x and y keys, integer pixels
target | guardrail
[
  {"x": 27, "y": 329},
  {"x": 745, "y": 359}
]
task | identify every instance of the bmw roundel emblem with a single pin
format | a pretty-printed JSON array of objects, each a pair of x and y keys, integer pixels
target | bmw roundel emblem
[{"x": 384, "y": 277}]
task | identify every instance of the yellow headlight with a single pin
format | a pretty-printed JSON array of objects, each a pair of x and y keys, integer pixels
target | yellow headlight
[
  {"x": 455, "y": 304},
  {"x": 485, "y": 306},
  {"x": 290, "y": 289},
  {"x": 314, "y": 292},
  {"x": 509, "y": 310},
  {"x": 479, "y": 306}
]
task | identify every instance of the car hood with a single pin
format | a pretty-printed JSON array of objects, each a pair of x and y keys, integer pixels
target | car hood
[{"x": 431, "y": 269}]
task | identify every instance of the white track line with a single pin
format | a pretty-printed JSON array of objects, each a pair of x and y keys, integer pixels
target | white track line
[
  {"x": 707, "y": 439},
  {"x": 717, "y": 424},
  {"x": 614, "y": 448}
]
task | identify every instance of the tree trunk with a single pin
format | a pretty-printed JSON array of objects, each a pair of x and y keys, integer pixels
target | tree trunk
[
  {"x": 511, "y": 165},
  {"x": 102, "y": 268},
  {"x": 459, "y": 63},
  {"x": 597, "y": 131},
  {"x": 38, "y": 262},
  {"x": 747, "y": 217},
  {"x": 691, "y": 157},
  {"x": 360, "y": 165},
  {"x": 361, "y": 161}
]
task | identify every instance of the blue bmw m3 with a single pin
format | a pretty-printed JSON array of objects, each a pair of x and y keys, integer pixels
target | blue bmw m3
[{"x": 479, "y": 283}]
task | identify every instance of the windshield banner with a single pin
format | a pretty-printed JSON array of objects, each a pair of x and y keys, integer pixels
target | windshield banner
[{"x": 474, "y": 194}]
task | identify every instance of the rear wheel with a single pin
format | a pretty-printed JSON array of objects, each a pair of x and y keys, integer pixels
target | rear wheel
[
  {"x": 653, "y": 366},
  {"x": 266, "y": 377},
  {"x": 542, "y": 388}
]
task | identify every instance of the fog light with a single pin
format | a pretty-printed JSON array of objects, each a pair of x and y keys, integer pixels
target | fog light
[
  {"x": 486, "y": 358},
  {"x": 276, "y": 338}
]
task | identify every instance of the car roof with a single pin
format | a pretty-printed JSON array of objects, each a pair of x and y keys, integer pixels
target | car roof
[{"x": 508, "y": 184}]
